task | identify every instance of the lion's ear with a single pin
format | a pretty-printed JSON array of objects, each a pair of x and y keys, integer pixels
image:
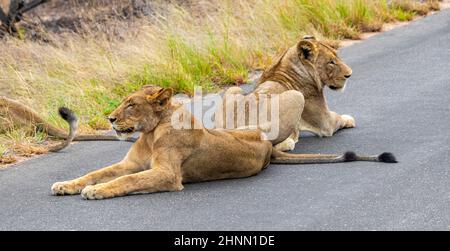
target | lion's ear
[
  {"x": 149, "y": 89},
  {"x": 162, "y": 98},
  {"x": 309, "y": 37},
  {"x": 148, "y": 86},
  {"x": 307, "y": 50}
]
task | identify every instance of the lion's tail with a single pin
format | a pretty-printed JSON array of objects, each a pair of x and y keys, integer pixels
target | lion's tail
[
  {"x": 70, "y": 117},
  {"x": 279, "y": 157}
]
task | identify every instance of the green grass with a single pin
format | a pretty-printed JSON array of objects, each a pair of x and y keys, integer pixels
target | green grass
[
  {"x": 5, "y": 158},
  {"x": 20, "y": 142},
  {"x": 402, "y": 15},
  {"x": 3, "y": 150}
]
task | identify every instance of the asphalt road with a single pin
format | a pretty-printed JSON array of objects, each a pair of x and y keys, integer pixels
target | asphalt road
[{"x": 399, "y": 95}]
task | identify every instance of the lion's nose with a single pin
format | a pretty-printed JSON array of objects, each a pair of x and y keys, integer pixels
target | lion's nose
[
  {"x": 112, "y": 119},
  {"x": 348, "y": 76}
]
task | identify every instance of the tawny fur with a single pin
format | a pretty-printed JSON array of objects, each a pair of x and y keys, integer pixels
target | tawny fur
[
  {"x": 306, "y": 68},
  {"x": 16, "y": 115},
  {"x": 164, "y": 158}
]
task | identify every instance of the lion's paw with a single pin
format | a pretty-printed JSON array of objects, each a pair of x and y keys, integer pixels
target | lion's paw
[
  {"x": 65, "y": 188},
  {"x": 287, "y": 145},
  {"x": 92, "y": 193},
  {"x": 349, "y": 121}
]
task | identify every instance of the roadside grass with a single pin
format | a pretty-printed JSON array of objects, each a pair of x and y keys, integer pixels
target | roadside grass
[
  {"x": 91, "y": 74},
  {"x": 4, "y": 157},
  {"x": 20, "y": 143}
]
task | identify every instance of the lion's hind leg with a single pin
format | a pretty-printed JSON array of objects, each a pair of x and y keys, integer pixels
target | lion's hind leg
[{"x": 292, "y": 103}]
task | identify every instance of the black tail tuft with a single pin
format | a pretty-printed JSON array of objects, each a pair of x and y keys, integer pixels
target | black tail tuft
[
  {"x": 70, "y": 117},
  {"x": 67, "y": 114},
  {"x": 350, "y": 156},
  {"x": 387, "y": 158}
]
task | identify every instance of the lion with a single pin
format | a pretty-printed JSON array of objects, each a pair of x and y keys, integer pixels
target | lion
[
  {"x": 14, "y": 114},
  {"x": 164, "y": 157},
  {"x": 299, "y": 76}
]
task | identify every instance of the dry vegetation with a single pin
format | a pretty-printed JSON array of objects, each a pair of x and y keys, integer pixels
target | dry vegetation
[{"x": 87, "y": 55}]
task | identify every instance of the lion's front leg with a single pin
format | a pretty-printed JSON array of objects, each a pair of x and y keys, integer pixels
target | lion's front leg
[
  {"x": 349, "y": 121},
  {"x": 136, "y": 160},
  {"x": 343, "y": 121},
  {"x": 103, "y": 175},
  {"x": 150, "y": 181},
  {"x": 335, "y": 122},
  {"x": 327, "y": 124}
]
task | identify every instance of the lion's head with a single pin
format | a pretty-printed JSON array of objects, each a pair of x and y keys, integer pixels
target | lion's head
[
  {"x": 141, "y": 111},
  {"x": 332, "y": 70},
  {"x": 307, "y": 64}
]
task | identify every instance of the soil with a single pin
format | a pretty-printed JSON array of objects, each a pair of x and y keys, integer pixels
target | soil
[{"x": 114, "y": 18}]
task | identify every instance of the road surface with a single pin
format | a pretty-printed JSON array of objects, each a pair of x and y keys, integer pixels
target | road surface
[{"x": 399, "y": 94}]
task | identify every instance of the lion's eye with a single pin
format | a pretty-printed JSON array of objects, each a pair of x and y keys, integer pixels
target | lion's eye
[
  {"x": 332, "y": 62},
  {"x": 130, "y": 106}
]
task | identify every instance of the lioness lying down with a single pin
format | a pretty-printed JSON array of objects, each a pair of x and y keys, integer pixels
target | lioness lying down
[
  {"x": 163, "y": 158},
  {"x": 299, "y": 75}
]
